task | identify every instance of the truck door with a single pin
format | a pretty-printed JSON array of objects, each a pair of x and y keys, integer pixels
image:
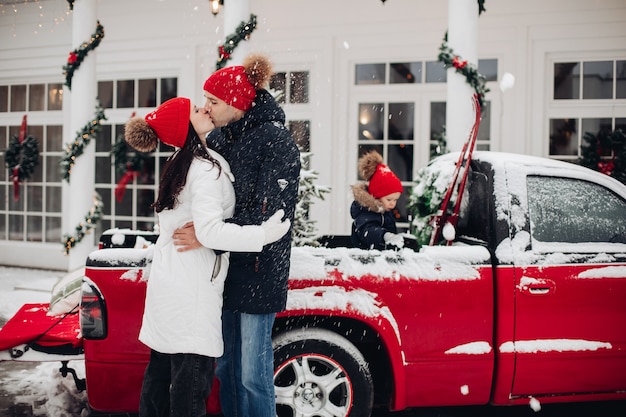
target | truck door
[{"x": 570, "y": 294}]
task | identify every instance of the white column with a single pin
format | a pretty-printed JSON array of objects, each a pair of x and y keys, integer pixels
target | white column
[
  {"x": 235, "y": 12},
  {"x": 80, "y": 103},
  {"x": 463, "y": 40}
]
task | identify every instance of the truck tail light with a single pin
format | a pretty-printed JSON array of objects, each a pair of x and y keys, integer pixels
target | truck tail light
[{"x": 93, "y": 317}]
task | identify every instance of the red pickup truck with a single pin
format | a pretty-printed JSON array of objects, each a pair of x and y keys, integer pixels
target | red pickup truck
[{"x": 525, "y": 302}]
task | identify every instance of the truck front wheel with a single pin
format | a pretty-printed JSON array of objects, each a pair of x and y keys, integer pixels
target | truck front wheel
[{"x": 320, "y": 373}]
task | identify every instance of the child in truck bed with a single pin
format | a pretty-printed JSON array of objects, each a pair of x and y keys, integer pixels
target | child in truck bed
[{"x": 374, "y": 225}]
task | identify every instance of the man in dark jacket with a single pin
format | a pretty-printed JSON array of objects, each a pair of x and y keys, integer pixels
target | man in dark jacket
[{"x": 266, "y": 164}]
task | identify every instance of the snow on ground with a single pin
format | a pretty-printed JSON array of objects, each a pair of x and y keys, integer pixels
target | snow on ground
[{"x": 42, "y": 387}]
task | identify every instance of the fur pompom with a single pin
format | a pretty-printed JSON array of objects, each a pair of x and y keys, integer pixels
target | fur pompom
[
  {"x": 140, "y": 136},
  {"x": 368, "y": 163},
  {"x": 258, "y": 68}
]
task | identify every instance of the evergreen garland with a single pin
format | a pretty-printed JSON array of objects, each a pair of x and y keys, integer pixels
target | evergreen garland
[
  {"x": 83, "y": 137},
  {"x": 77, "y": 56},
  {"x": 242, "y": 33},
  {"x": 71, "y": 4},
  {"x": 91, "y": 220},
  {"x": 468, "y": 70},
  {"x": 605, "y": 152}
]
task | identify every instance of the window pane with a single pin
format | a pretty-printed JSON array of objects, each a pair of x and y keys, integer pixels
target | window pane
[
  {"x": 566, "y": 81},
  {"x": 16, "y": 227},
  {"x": 18, "y": 98},
  {"x": 405, "y": 72},
  {"x": 278, "y": 84},
  {"x": 563, "y": 137},
  {"x": 620, "y": 78},
  {"x": 299, "y": 91},
  {"x": 53, "y": 199},
  {"x": 400, "y": 161},
  {"x": 35, "y": 197},
  {"x": 147, "y": 93},
  {"x": 53, "y": 229},
  {"x": 488, "y": 68},
  {"x": 436, "y": 72},
  {"x": 574, "y": 211},
  {"x": 598, "y": 80},
  {"x": 34, "y": 228},
  {"x": 54, "y": 138},
  {"x": 371, "y": 120},
  {"x": 103, "y": 170},
  {"x": 301, "y": 132},
  {"x": 596, "y": 125},
  {"x": 367, "y": 74},
  {"x": 401, "y": 121},
  {"x": 37, "y": 97},
  {"x": 103, "y": 139},
  {"x": 437, "y": 127},
  {"x": 105, "y": 94},
  {"x": 620, "y": 123},
  {"x": 55, "y": 96},
  {"x": 3, "y": 190},
  {"x": 4, "y": 98},
  {"x": 169, "y": 88},
  {"x": 53, "y": 169},
  {"x": 145, "y": 198},
  {"x": 484, "y": 130},
  {"x": 125, "y": 94}
]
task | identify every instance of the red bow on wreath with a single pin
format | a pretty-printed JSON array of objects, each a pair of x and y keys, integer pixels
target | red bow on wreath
[
  {"x": 120, "y": 189},
  {"x": 457, "y": 63}
]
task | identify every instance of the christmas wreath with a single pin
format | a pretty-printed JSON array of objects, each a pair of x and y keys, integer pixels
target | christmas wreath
[
  {"x": 21, "y": 158},
  {"x": 77, "y": 56},
  {"x": 605, "y": 152},
  {"x": 243, "y": 33},
  {"x": 128, "y": 163}
]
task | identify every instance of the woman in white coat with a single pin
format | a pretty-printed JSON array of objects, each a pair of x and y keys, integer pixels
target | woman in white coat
[{"x": 182, "y": 314}]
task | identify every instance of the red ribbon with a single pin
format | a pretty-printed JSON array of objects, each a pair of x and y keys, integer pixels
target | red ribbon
[
  {"x": 16, "y": 183},
  {"x": 72, "y": 58},
  {"x": 120, "y": 189},
  {"x": 606, "y": 167}
]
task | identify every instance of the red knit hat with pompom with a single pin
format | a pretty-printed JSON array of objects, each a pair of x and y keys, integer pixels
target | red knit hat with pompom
[
  {"x": 382, "y": 180},
  {"x": 237, "y": 85},
  {"x": 169, "y": 122}
]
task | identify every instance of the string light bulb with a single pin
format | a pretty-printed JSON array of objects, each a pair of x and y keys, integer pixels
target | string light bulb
[{"x": 215, "y": 6}]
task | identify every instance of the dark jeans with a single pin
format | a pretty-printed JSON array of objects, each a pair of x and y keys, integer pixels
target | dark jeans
[{"x": 176, "y": 385}]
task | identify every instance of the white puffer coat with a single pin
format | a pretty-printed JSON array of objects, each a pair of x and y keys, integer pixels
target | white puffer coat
[{"x": 183, "y": 305}]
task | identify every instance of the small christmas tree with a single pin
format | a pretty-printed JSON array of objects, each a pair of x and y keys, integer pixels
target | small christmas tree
[
  {"x": 605, "y": 152},
  {"x": 304, "y": 230}
]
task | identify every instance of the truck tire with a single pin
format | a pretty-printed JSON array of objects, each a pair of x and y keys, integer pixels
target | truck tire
[{"x": 320, "y": 373}]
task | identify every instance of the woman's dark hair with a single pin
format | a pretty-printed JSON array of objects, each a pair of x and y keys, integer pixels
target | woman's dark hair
[{"x": 174, "y": 175}]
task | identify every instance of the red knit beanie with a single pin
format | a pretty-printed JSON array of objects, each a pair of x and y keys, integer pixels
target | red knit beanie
[
  {"x": 231, "y": 85},
  {"x": 384, "y": 182},
  {"x": 237, "y": 86},
  {"x": 169, "y": 122}
]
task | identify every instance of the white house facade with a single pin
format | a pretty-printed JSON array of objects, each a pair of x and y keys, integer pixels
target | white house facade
[{"x": 352, "y": 75}]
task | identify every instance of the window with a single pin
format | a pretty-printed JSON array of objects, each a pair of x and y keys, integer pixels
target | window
[
  {"x": 35, "y": 215},
  {"x": 291, "y": 87},
  {"x": 570, "y": 115},
  {"x": 130, "y": 208},
  {"x": 390, "y": 124},
  {"x": 574, "y": 211}
]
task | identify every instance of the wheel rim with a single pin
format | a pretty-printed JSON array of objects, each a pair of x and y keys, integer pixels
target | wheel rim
[{"x": 312, "y": 385}]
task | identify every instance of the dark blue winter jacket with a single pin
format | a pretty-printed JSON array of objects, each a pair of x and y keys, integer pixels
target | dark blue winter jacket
[
  {"x": 265, "y": 161},
  {"x": 370, "y": 221}
]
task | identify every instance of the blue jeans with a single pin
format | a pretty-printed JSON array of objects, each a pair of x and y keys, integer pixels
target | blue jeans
[
  {"x": 246, "y": 370},
  {"x": 176, "y": 385}
]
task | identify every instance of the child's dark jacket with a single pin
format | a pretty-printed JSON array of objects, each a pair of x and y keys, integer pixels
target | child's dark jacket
[{"x": 370, "y": 220}]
